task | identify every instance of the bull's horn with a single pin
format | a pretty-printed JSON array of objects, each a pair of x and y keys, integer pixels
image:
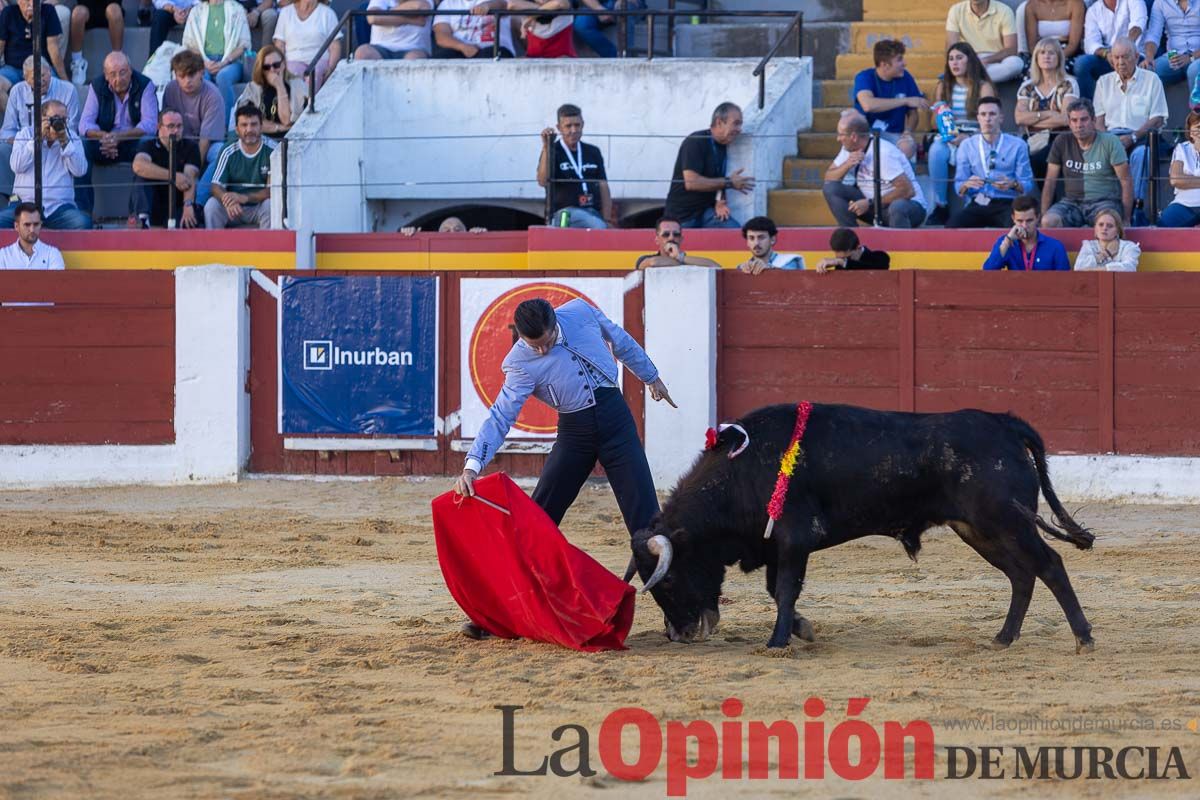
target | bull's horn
[
  {"x": 631, "y": 569},
  {"x": 660, "y": 546}
]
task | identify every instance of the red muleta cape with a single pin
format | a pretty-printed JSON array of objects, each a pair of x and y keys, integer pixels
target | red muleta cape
[{"x": 518, "y": 576}]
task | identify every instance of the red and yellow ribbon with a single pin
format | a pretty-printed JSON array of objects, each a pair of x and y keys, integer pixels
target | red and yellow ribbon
[{"x": 787, "y": 465}]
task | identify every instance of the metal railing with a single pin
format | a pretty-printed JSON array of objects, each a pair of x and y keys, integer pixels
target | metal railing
[{"x": 498, "y": 15}]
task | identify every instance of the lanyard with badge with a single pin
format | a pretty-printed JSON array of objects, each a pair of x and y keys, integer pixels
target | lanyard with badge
[
  {"x": 576, "y": 162},
  {"x": 987, "y": 166}
]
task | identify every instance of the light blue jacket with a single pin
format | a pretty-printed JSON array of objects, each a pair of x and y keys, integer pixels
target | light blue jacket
[
  {"x": 559, "y": 378},
  {"x": 1008, "y": 159}
]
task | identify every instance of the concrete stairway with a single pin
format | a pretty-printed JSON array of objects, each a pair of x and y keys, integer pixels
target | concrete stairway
[{"x": 923, "y": 31}]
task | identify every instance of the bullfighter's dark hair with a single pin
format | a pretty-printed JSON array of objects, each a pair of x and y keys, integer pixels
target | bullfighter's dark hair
[
  {"x": 533, "y": 318},
  {"x": 843, "y": 239},
  {"x": 762, "y": 225}
]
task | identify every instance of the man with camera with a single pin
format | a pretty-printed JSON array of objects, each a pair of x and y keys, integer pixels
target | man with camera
[
  {"x": 153, "y": 179},
  {"x": 575, "y": 173},
  {"x": 62, "y": 162},
  {"x": 1024, "y": 247},
  {"x": 20, "y": 112}
]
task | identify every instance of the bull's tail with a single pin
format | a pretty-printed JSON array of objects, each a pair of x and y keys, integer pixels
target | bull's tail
[{"x": 1063, "y": 526}]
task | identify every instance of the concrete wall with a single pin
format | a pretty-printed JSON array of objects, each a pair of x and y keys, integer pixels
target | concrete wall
[
  {"x": 472, "y": 141},
  {"x": 212, "y": 407}
]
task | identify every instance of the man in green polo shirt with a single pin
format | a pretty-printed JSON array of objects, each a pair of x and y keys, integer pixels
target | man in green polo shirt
[{"x": 241, "y": 185}]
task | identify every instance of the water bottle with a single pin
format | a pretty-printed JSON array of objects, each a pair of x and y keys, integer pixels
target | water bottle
[
  {"x": 564, "y": 219},
  {"x": 1196, "y": 94},
  {"x": 943, "y": 117}
]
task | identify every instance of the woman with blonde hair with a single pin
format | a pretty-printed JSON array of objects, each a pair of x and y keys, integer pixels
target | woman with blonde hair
[
  {"x": 268, "y": 90},
  {"x": 1108, "y": 251},
  {"x": 1042, "y": 102},
  {"x": 964, "y": 80},
  {"x": 1184, "y": 211}
]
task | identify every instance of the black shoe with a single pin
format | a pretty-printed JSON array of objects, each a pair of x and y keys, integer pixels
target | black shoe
[
  {"x": 473, "y": 631},
  {"x": 939, "y": 216}
]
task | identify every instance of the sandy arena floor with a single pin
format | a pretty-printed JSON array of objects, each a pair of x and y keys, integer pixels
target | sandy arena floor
[{"x": 283, "y": 639}]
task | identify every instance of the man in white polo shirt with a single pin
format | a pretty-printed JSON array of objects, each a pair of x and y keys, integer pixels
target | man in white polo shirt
[
  {"x": 990, "y": 27},
  {"x": 28, "y": 251},
  {"x": 1131, "y": 104},
  {"x": 849, "y": 187}
]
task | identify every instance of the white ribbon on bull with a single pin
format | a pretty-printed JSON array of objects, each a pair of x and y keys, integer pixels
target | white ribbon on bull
[{"x": 737, "y": 451}]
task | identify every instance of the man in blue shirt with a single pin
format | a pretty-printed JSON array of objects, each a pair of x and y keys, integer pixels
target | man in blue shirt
[
  {"x": 992, "y": 170},
  {"x": 1024, "y": 247},
  {"x": 563, "y": 358},
  {"x": 889, "y": 97}
]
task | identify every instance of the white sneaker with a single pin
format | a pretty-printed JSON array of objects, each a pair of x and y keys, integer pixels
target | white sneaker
[{"x": 79, "y": 71}]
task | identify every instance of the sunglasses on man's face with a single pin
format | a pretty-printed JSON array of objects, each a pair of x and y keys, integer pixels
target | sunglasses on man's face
[
  {"x": 273, "y": 65},
  {"x": 671, "y": 234}
]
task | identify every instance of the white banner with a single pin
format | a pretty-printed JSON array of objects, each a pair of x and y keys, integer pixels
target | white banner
[{"x": 486, "y": 313}]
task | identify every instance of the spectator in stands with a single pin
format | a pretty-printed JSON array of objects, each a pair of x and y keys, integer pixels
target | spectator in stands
[
  {"x": 575, "y": 173},
  {"x": 203, "y": 111},
  {"x": 1024, "y": 247},
  {"x": 699, "y": 183},
  {"x": 590, "y": 27},
  {"x": 990, "y": 27},
  {"x": 241, "y": 186},
  {"x": 29, "y": 251},
  {"x": 302, "y": 28},
  {"x": 16, "y": 43},
  {"x": 449, "y": 225},
  {"x": 218, "y": 31},
  {"x": 119, "y": 113},
  {"x": 1042, "y": 102},
  {"x": 1184, "y": 211},
  {"x": 152, "y": 177},
  {"x": 963, "y": 82},
  {"x": 993, "y": 170},
  {"x": 901, "y": 197},
  {"x": 268, "y": 91},
  {"x": 760, "y": 234},
  {"x": 850, "y": 253},
  {"x": 1095, "y": 171},
  {"x": 889, "y": 96},
  {"x": 63, "y": 161},
  {"x": 167, "y": 15},
  {"x": 264, "y": 16},
  {"x": 1181, "y": 21},
  {"x": 1057, "y": 20},
  {"x": 547, "y": 36},
  {"x": 1131, "y": 104},
  {"x": 89, "y": 14},
  {"x": 470, "y": 35},
  {"x": 1109, "y": 251},
  {"x": 1106, "y": 21},
  {"x": 19, "y": 113},
  {"x": 397, "y": 37},
  {"x": 668, "y": 235}
]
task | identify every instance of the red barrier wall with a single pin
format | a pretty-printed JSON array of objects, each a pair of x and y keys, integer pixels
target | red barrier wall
[
  {"x": 1098, "y": 362},
  {"x": 95, "y": 367},
  {"x": 269, "y": 455}
]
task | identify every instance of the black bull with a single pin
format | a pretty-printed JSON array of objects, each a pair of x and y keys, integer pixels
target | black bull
[{"x": 859, "y": 473}]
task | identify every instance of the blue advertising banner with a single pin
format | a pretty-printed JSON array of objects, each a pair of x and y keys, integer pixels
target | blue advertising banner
[{"x": 358, "y": 355}]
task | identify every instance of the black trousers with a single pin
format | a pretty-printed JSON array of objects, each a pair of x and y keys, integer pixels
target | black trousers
[
  {"x": 996, "y": 214},
  {"x": 605, "y": 433}
]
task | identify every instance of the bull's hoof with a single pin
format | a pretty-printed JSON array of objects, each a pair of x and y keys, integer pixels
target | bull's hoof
[
  {"x": 778, "y": 643},
  {"x": 1084, "y": 645},
  {"x": 803, "y": 629},
  {"x": 1000, "y": 644},
  {"x": 473, "y": 631}
]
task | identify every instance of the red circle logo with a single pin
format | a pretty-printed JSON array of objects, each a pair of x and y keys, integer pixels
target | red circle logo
[{"x": 492, "y": 339}]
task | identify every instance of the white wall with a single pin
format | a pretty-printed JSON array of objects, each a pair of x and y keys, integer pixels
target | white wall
[
  {"x": 475, "y": 129},
  {"x": 212, "y": 407}
]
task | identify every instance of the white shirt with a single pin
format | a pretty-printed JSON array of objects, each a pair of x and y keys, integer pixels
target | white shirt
[
  {"x": 479, "y": 31},
  {"x": 1142, "y": 99},
  {"x": 303, "y": 38},
  {"x": 1185, "y": 153},
  {"x": 400, "y": 37},
  {"x": 894, "y": 164},
  {"x": 60, "y": 167},
  {"x": 1090, "y": 257},
  {"x": 44, "y": 256},
  {"x": 1102, "y": 27}
]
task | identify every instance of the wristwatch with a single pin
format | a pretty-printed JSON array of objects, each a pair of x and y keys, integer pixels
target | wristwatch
[{"x": 728, "y": 183}]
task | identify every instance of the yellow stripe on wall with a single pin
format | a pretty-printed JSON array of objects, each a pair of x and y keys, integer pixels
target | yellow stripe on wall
[{"x": 170, "y": 259}]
